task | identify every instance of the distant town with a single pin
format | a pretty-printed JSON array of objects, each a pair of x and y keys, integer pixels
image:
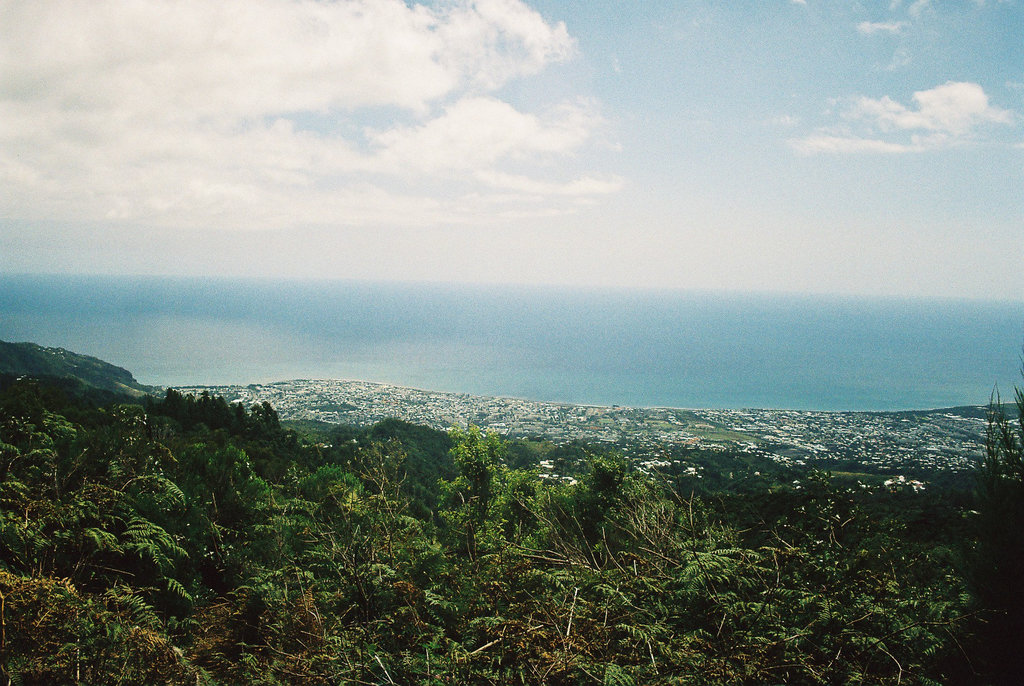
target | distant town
[{"x": 948, "y": 439}]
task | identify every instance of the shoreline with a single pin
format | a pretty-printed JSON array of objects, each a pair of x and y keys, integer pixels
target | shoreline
[
  {"x": 942, "y": 438},
  {"x": 602, "y": 406}
]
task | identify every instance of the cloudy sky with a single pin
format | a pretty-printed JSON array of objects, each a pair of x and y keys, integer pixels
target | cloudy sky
[{"x": 805, "y": 146}]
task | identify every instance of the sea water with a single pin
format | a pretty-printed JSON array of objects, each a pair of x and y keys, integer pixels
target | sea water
[{"x": 590, "y": 346}]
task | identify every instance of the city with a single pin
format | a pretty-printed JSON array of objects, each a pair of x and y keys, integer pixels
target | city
[{"x": 926, "y": 440}]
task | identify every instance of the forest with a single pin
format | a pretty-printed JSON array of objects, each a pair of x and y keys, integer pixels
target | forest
[{"x": 182, "y": 539}]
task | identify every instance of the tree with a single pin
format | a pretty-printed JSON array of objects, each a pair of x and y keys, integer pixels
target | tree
[
  {"x": 997, "y": 564},
  {"x": 477, "y": 455}
]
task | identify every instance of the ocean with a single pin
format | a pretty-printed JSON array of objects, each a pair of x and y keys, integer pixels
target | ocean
[{"x": 587, "y": 346}]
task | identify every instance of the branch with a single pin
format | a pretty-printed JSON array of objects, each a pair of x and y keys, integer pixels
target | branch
[{"x": 485, "y": 646}]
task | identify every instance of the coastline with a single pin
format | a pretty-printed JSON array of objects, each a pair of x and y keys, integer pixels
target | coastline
[{"x": 944, "y": 438}]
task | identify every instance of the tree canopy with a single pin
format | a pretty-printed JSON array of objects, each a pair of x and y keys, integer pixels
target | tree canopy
[{"x": 188, "y": 540}]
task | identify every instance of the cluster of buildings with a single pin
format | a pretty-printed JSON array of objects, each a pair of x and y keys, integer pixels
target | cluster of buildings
[
  {"x": 884, "y": 441},
  {"x": 951, "y": 439}
]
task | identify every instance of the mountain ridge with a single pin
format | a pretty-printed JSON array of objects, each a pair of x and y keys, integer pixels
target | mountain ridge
[{"x": 34, "y": 360}]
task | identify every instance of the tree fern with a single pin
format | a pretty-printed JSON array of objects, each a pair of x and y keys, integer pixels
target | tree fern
[
  {"x": 152, "y": 542},
  {"x": 130, "y": 604},
  {"x": 178, "y": 590},
  {"x": 102, "y": 540},
  {"x": 617, "y": 676}
]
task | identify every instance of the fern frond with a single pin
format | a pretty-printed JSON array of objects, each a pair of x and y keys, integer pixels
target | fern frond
[{"x": 175, "y": 587}]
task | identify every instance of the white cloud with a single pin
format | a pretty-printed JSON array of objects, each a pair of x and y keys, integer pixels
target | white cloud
[
  {"x": 918, "y": 7},
  {"x": 232, "y": 58},
  {"x": 480, "y": 131},
  {"x": 868, "y": 27},
  {"x": 495, "y": 40},
  {"x": 585, "y": 186},
  {"x": 945, "y": 115},
  {"x": 823, "y": 143},
  {"x": 269, "y": 113},
  {"x": 952, "y": 108}
]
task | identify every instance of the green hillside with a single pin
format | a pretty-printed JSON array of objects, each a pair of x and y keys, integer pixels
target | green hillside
[
  {"x": 187, "y": 540},
  {"x": 29, "y": 359}
]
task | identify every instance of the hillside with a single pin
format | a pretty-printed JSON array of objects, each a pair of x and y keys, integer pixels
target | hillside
[
  {"x": 190, "y": 539},
  {"x": 30, "y": 359}
]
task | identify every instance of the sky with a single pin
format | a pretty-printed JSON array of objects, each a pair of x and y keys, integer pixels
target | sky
[{"x": 805, "y": 146}]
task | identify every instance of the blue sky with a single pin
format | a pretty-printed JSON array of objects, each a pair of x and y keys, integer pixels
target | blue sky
[{"x": 863, "y": 148}]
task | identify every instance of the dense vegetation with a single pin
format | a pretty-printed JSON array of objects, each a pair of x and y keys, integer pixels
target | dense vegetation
[
  {"x": 191, "y": 541},
  {"x": 67, "y": 368}
]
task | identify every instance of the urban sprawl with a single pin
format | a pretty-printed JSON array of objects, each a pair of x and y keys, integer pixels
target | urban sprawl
[{"x": 885, "y": 441}]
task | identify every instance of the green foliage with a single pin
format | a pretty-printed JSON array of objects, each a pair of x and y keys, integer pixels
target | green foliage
[
  {"x": 427, "y": 461},
  {"x": 477, "y": 457},
  {"x": 190, "y": 540},
  {"x": 55, "y": 633},
  {"x": 57, "y": 365},
  {"x": 997, "y": 561}
]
